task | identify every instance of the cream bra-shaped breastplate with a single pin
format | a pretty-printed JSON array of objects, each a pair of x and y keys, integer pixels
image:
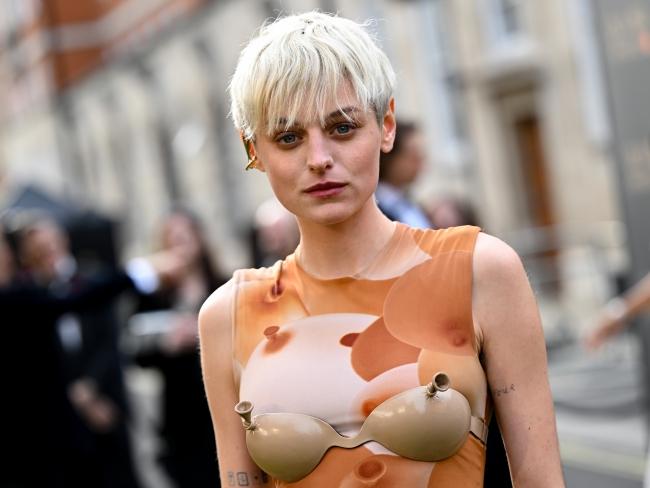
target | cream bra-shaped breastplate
[{"x": 426, "y": 423}]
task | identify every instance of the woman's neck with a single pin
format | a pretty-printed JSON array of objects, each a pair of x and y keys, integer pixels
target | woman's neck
[{"x": 346, "y": 248}]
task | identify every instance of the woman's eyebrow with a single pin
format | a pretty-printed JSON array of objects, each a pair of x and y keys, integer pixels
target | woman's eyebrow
[
  {"x": 346, "y": 112},
  {"x": 281, "y": 123}
]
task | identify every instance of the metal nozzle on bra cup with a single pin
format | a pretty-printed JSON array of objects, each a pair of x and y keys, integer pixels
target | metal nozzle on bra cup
[
  {"x": 440, "y": 382},
  {"x": 244, "y": 410}
]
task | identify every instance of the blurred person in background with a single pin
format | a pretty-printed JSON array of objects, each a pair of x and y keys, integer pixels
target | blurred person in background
[
  {"x": 617, "y": 314},
  {"x": 188, "y": 447},
  {"x": 275, "y": 233},
  {"x": 48, "y": 445},
  {"x": 615, "y": 317},
  {"x": 398, "y": 170},
  {"x": 92, "y": 365},
  {"x": 351, "y": 327},
  {"x": 449, "y": 211}
]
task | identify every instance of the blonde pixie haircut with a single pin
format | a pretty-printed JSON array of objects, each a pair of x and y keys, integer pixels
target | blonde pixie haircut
[{"x": 297, "y": 63}]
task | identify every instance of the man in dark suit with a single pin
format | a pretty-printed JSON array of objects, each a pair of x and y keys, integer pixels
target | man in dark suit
[
  {"x": 59, "y": 433},
  {"x": 89, "y": 426}
]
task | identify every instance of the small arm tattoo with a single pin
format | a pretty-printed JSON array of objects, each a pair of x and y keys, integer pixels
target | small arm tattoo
[
  {"x": 497, "y": 392},
  {"x": 242, "y": 478}
]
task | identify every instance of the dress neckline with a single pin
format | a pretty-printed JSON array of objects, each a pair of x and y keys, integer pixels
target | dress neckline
[{"x": 398, "y": 231}]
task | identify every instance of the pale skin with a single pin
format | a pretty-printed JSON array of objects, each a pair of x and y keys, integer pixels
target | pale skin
[{"x": 333, "y": 243}]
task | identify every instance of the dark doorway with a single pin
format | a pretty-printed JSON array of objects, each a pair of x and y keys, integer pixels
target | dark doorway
[{"x": 537, "y": 199}]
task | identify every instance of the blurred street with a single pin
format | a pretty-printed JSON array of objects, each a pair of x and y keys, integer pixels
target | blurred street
[{"x": 601, "y": 426}]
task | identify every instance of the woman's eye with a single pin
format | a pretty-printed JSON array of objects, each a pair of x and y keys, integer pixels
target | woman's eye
[
  {"x": 287, "y": 139},
  {"x": 343, "y": 129}
]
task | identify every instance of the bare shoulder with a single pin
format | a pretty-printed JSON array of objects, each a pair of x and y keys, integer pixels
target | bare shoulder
[
  {"x": 216, "y": 312},
  {"x": 215, "y": 344},
  {"x": 501, "y": 291},
  {"x": 495, "y": 260}
]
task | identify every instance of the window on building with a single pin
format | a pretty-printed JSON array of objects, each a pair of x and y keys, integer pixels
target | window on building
[
  {"x": 589, "y": 67},
  {"x": 446, "y": 89},
  {"x": 509, "y": 13},
  {"x": 23, "y": 12},
  {"x": 504, "y": 18}
]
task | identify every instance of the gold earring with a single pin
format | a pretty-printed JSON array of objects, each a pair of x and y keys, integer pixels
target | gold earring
[{"x": 252, "y": 163}]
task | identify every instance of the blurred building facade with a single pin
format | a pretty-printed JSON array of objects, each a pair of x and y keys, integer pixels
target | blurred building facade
[{"x": 121, "y": 105}]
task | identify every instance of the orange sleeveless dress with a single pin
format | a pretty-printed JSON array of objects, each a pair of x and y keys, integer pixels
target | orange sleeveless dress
[{"x": 335, "y": 349}]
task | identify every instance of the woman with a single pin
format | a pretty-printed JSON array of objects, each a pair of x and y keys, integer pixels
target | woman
[
  {"x": 188, "y": 451},
  {"x": 365, "y": 309}
]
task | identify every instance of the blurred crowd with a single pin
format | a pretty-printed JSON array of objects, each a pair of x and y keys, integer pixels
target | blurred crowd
[{"x": 65, "y": 356}]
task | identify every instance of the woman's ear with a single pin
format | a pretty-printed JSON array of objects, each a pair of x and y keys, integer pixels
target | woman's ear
[
  {"x": 251, "y": 153},
  {"x": 388, "y": 128}
]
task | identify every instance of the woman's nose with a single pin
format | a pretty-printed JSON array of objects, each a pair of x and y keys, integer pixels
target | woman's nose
[{"x": 319, "y": 157}]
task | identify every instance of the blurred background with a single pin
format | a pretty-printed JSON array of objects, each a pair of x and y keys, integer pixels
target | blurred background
[{"x": 535, "y": 116}]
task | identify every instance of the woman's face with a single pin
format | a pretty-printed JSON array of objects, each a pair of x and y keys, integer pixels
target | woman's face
[
  {"x": 179, "y": 231},
  {"x": 43, "y": 248},
  {"x": 326, "y": 174}
]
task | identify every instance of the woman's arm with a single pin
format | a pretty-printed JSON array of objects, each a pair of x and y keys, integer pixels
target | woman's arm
[
  {"x": 618, "y": 311},
  {"x": 515, "y": 359},
  {"x": 215, "y": 335},
  {"x": 100, "y": 291}
]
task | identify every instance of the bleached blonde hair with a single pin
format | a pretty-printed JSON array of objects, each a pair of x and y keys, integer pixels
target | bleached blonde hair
[{"x": 295, "y": 66}]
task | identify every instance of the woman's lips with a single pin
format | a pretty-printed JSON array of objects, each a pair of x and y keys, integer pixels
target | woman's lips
[{"x": 326, "y": 189}]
